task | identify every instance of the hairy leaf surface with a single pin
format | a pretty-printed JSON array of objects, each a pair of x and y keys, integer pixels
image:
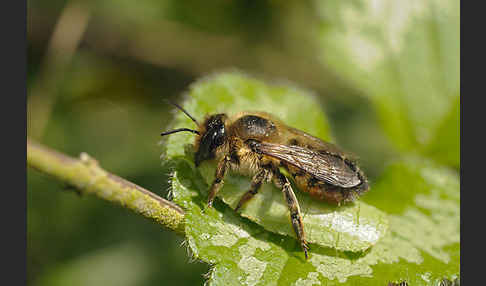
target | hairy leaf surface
[{"x": 418, "y": 241}]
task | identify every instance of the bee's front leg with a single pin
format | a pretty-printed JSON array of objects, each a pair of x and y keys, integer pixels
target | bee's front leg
[
  {"x": 218, "y": 179},
  {"x": 282, "y": 182}
]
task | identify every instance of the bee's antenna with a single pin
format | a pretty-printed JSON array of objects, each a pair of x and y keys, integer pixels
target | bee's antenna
[
  {"x": 179, "y": 130},
  {"x": 183, "y": 110}
]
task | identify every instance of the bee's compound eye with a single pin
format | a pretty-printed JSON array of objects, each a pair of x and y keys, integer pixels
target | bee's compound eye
[{"x": 214, "y": 137}]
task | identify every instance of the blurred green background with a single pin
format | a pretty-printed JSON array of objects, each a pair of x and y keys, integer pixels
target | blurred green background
[{"x": 387, "y": 75}]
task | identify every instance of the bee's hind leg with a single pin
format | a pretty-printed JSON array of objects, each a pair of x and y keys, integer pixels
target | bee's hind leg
[
  {"x": 256, "y": 183},
  {"x": 282, "y": 182}
]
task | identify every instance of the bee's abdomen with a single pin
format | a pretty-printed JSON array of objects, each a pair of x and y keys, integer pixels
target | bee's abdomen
[{"x": 324, "y": 191}]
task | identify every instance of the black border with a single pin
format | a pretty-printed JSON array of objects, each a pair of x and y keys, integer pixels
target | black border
[{"x": 13, "y": 25}]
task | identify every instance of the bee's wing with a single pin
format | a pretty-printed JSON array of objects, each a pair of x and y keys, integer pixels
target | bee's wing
[{"x": 329, "y": 168}]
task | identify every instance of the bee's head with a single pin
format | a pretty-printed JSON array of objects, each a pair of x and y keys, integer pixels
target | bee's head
[{"x": 211, "y": 135}]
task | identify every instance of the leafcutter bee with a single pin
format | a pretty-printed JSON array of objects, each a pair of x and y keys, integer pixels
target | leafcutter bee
[{"x": 257, "y": 144}]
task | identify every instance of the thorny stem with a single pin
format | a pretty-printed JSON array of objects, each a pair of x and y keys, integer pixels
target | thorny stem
[{"x": 88, "y": 177}]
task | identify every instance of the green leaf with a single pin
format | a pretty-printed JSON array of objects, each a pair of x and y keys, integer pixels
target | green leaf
[
  {"x": 233, "y": 92},
  {"x": 354, "y": 227},
  {"x": 445, "y": 144},
  {"x": 421, "y": 245},
  {"x": 405, "y": 57},
  {"x": 423, "y": 200}
]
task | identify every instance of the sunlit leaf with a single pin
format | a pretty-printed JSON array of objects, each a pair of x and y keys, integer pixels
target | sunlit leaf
[
  {"x": 354, "y": 227},
  {"x": 421, "y": 245}
]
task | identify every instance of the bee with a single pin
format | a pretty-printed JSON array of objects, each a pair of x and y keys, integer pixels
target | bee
[{"x": 257, "y": 144}]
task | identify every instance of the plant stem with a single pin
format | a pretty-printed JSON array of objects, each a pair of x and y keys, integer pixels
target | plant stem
[{"x": 85, "y": 175}]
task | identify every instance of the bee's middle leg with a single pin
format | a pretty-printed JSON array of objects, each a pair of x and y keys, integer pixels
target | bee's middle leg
[
  {"x": 297, "y": 223},
  {"x": 256, "y": 183},
  {"x": 218, "y": 179}
]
